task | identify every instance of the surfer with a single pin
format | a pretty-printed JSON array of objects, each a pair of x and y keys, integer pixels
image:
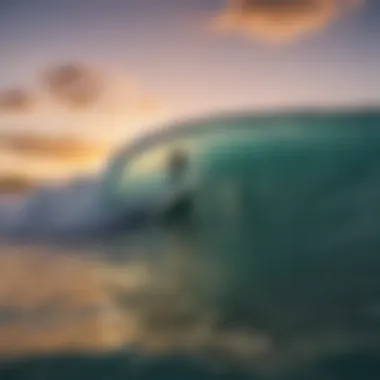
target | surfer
[{"x": 176, "y": 210}]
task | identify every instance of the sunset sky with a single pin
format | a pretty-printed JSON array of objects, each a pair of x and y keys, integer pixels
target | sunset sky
[
  {"x": 78, "y": 77},
  {"x": 163, "y": 59}
]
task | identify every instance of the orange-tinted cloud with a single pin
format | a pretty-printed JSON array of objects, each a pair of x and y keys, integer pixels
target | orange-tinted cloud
[
  {"x": 51, "y": 147},
  {"x": 28, "y": 159},
  {"x": 15, "y": 100},
  {"x": 59, "y": 148},
  {"x": 280, "y": 21},
  {"x": 12, "y": 184}
]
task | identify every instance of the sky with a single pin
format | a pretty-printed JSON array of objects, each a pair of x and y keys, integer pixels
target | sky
[
  {"x": 145, "y": 62},
  {"x": 78, "y": 77}
]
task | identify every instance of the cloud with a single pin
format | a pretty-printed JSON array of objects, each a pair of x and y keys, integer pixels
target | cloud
[
  {"x": 280, "y": 21},
  {"x": 66, "y": 148},
  {"x": 29, "y": 159},
  {"x": 15, "y": 100},
  {"x": 81, "y": 86},
  {"x": 79, "y": 112},
  {"x": 12, "y": 184},
  {"x": 76, "y": 85}
]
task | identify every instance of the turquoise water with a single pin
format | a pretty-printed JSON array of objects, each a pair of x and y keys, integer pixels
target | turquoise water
[
  {"x": 119, "y": 366},
  {"x": 279, "y": 256}
]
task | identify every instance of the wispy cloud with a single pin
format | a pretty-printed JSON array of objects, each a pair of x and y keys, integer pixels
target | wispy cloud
[
  {"x": 65, "y": 148},
  {"x": 74, "y": 84},
  {"x": 29, "y": 159},
  {"x": 280, "y": 21},
  {"x": 12, "y": 184},
  {"x": 15, "y": 99},
  {"x": 80, "y": 86}
]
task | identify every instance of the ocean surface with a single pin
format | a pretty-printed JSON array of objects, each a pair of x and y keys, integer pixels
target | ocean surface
[{"x": 150, "y": 306}]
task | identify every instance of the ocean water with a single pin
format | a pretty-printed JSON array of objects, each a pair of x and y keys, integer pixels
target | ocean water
[
  {"x": 280, "y": 281},
  {"x": 63, "y": 316}
]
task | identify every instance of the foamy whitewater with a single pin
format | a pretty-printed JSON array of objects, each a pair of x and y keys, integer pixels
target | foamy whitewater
[{"x": 54, "y": 211}]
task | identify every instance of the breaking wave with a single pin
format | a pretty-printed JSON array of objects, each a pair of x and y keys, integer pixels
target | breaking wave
[
  {"x": 306, "y": 285},
  {"x": 73, "y": 209},
  {"x": 172, "y": 296}
]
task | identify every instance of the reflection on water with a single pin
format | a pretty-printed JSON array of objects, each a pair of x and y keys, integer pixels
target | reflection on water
[
  {"x": 56, "y": 301},
  {"x": 82, "y": 315},
  {"x": 52, "y": 301},
  {"x": 77, "y": 315}
]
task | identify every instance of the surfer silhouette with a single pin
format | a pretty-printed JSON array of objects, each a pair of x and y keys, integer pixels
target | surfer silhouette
[{"x": 177, "y": 207}]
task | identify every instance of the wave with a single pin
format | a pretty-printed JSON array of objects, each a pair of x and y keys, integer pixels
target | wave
[
  {"x": 55, "y": 211},
  {"x": 297, "y": 278}
]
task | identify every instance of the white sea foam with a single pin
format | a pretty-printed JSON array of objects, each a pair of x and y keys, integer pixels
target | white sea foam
[{"x": 54, "y": 211}]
